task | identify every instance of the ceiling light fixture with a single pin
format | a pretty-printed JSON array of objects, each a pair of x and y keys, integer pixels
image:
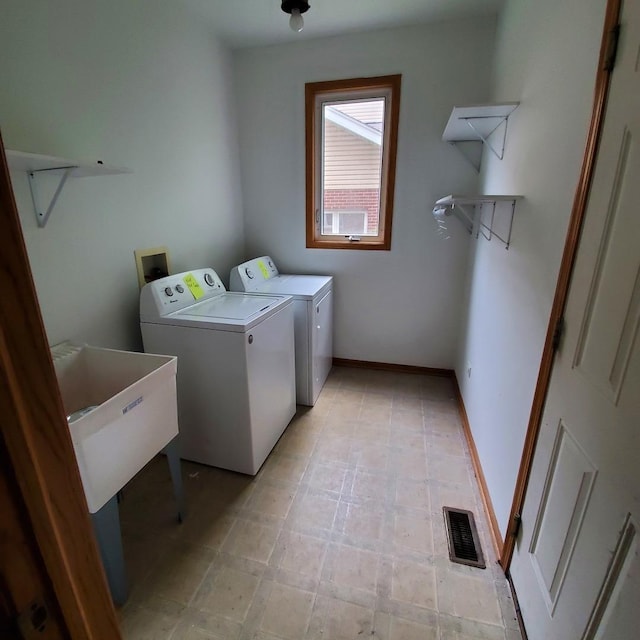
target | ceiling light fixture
[{"x": 295, "y": 8}]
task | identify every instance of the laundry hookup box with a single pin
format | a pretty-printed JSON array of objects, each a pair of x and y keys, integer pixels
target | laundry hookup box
[{"x": 122, "y": 410}]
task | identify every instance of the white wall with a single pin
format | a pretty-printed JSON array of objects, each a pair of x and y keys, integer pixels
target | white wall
[
  {"x": 546, "y": 58},
  {"x": 400, "y": 306},
  {"x": 137, "y": 84}
]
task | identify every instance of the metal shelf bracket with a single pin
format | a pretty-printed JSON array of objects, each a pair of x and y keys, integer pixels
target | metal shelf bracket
[
  {"x": 42, "y": 215},
  {"x": 485, "y": 123},
  {"x": 486, "y": 138},
  {"x": 472, "y": 212}
]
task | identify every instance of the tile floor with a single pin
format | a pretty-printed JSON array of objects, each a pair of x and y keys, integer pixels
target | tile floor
[{"x": 339, "y": 536}]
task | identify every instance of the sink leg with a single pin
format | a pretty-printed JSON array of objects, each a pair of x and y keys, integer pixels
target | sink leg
[
  {"x": 106, "y": 524},
  {"x": 173, "y": 458}
]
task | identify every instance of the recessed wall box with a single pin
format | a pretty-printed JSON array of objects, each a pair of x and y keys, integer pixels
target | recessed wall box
[{"x": 152, "y": 264}]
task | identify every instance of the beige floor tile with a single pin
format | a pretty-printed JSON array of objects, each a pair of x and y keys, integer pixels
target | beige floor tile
[
  {"x": 449, "y": 469},
  {"x": 326, "y": 477},
  {"x": 370, "y": 485},
  {"x": 228, "y": 593},
  {"x": 452, "y": 628},
  {"x": 413, "y": 532},
  {"x": 351, "y": 567},
  {"x": 458, "y": 497},
  {"x": 468, "y": 597},
  {"x": 412, "y": 493},
  {"x": 339, "y": 620},
  {"x": 287, "y": 612},
  {"x": 300, "y": 444},
  {"x": 142, "y": 624},
  {"x": 412, "y": 440},
  {"x": 375, "y": 413},
  {"x": 410, "y": 464},
  {"x": 207, "y": 527},
  {"x": 404, "y": 420},
  {"x": 284, "y": 468},
  {"x": 272, "y": 501},
  {"x": 251, "y": 540},
  {"x": 333, "y": 449},
  {"x": 225, "y": 488},
  {"x": 201, "y": 624},
  {"x": 372, "y": 433},
  {"x": 414, "y": 584},
  {"x": 400, "y": 629},
  {"x": 345, "y": 411},
  {"x": 364, "y": 521},
  {"x": 178, "y": 574},
  {"x": 374, "y": 457},
  {"x": 313, "y": 511},
  {"x": 303, "y": 554},
  {"x": 185, "y": 631}
]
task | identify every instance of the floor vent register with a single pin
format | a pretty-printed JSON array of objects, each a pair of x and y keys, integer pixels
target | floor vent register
[{"x": 462, "y": 536}]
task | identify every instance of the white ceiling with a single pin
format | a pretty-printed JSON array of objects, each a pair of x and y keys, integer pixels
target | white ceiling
[{"x": 249, "y": 23}]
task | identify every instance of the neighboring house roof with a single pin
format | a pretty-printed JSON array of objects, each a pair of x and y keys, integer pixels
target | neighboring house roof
[{"x": 364, "y": 130}]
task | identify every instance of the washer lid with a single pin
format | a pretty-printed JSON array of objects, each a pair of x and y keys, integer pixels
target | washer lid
[
  {"x": 228, "y": 311},
  {"x": 299, "y": 286},
  {"x": 230, "y": 306}
]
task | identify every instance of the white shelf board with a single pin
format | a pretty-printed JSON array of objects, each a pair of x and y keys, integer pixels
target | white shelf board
[
  {"x": 484, "y": 118},
  {"x": 35, "y": 165},
  {"x": 475, "y": 199},
  {"x": 31, "y": 162},
  {"x": 474, "y": 219}
]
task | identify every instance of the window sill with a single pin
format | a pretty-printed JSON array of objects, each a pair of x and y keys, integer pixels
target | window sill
[{"x": 357, "y": 245}]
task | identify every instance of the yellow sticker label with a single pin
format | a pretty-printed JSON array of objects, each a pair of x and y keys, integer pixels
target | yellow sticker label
[
  {"x": 193, "y": 286},
  {"x": 263, "y": 267}
]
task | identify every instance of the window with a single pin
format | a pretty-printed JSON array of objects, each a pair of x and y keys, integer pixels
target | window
[{"x": 351, "y": 140}]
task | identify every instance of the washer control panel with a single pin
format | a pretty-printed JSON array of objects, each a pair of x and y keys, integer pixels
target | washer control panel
[
  {"x": 172, "y": 293},
  {"x": 249, "y": 275}
]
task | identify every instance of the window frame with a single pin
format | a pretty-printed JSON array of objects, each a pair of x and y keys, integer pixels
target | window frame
[{"x": 337, "y": 89}]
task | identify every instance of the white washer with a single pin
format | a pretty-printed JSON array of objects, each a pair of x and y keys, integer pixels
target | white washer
[
  {"x": 313, "y": 318},
  {"x": 236, "y": 376}
]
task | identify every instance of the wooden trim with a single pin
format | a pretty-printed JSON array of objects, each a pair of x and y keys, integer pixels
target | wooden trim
[
  {"x": 382, "y": 242},
  {"x": 494, "y": 528},
  {"x": 603, "y": 78},
  {"x": 389, "y": 366},
  {"x": 38, "y": 442}
]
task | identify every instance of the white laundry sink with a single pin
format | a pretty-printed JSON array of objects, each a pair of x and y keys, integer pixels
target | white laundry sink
[{"x": 133, "y": 415}]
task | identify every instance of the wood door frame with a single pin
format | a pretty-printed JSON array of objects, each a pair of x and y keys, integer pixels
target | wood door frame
[
  {"x": 603, "y": 81},
  {"x": 38, "y": 443}
]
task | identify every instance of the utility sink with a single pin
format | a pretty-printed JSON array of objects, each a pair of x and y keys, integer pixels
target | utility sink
[{"x": 122, "y": 411}]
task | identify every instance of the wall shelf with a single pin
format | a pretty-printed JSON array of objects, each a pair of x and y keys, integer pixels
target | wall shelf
[
  {"x": 37, "y": 165},
  {"x": 472, "y": 212},
  {"x": 486, "y": 123}
]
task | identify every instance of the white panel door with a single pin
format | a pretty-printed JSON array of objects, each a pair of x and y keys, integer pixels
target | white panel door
[{"x": 576, "y": 568}]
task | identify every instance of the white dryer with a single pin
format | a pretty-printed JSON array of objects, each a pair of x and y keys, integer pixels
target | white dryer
[
  {"x": 236, "y": 376},
  {"x": 313, "y": 318}
]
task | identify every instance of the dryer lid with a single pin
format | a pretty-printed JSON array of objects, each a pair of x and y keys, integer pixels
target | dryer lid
[{"x": 299, "y": 286}]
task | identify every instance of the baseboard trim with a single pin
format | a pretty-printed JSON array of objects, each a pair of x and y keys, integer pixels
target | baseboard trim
[
  {"x": 494, "y": 529},
  {"x": 389, "y": 366}
]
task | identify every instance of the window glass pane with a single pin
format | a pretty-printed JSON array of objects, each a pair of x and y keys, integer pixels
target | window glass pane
[{"x": 352, "y": 139}]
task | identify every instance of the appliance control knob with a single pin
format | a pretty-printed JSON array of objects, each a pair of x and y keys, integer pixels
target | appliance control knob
[
  {"x": 249, "y": 274},
  {"x": 250, "y": 339},
  {"x": 179, "y": 288},
  {"x": 208, "y": 278},
  {"x": 168, "y": 291}
]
